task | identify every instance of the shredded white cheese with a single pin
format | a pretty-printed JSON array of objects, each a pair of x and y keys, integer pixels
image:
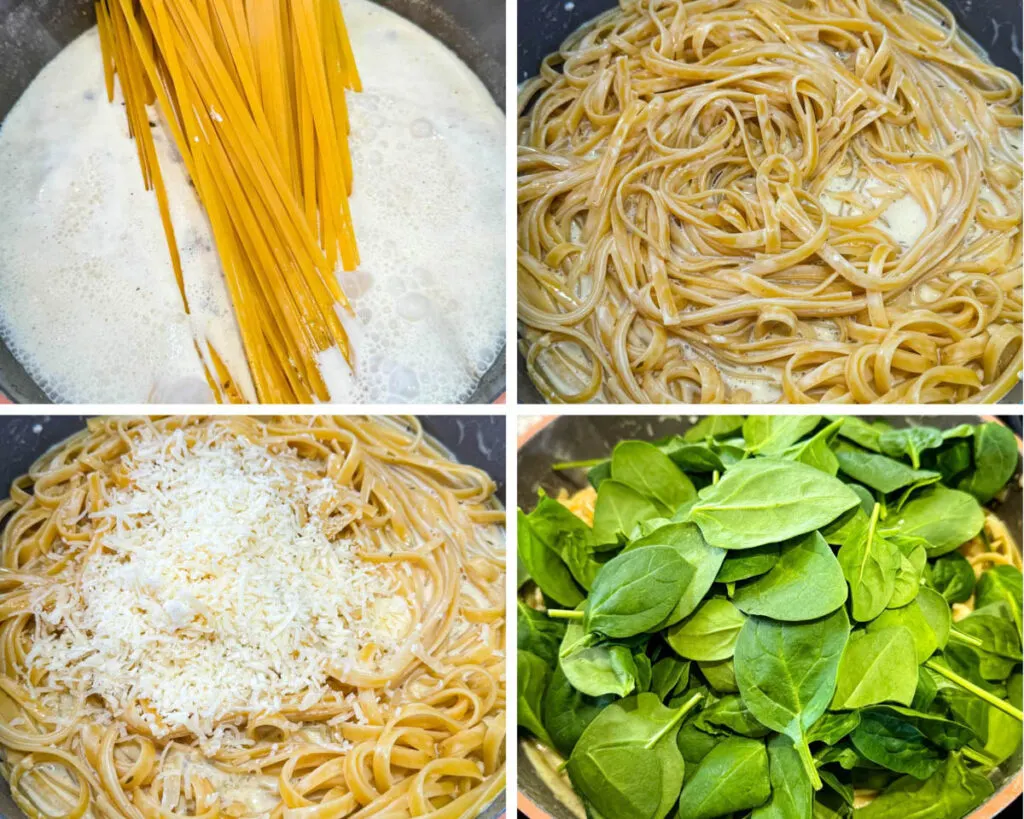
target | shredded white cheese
[{"x": 217, "y": 590}]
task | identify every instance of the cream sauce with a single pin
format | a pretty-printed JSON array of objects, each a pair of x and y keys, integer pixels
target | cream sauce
[{"x": 88, "y": 301}]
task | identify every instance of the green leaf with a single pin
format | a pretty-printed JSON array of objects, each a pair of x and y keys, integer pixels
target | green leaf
[
  {"x": 713, "y": 426},
  {"x": 1001, "y": 584},
  {"x": 880, "y": 472},
  {"x": 995, "y": 461},
  {"x": 870, "y": 564},
  {"x": 895, "y": 743},
  {"x": 787, "y": 673},
  {"x": 910, "y": 442},
  {"x": 709, "y": 633},
  {"x": 635, "y": 591},
  {"x": 860, "y": 431},
  {"x": 876, "y": 667},
  {"x": 761, "y": 501},
  {"x": 594, "y": 667},
  {"x": 832, "y": 726},
  {"x": 946, "y": 734},
  {"x": 721, "y": 676},
  {"x": 926, "y": 617},
  {"x": 538, "y": 633},
  {"x": 952, "y": 791},
  {"x": 669, "y": 676},
  {"x": 817, "y": 451},
  {"x": 546, "y": 568},
  {"x": 567, "y": 712},
  {"x": 532, "y": 681},
  {"x": 730, "y": 713},
  {"x": 944, "y": 518},
  {"x": 732, "y": 777},
  {"x": 617, "y": 510},
  {"x": 1000, "y": 648},
  {"x": 627, "y": 761},
  {"x": 652, "y": 473},
  {"x": 742, "y": 565},
  {"x": 690, "y": 457},
  {"x": 773, "y": 434},
  {"x": 784, "y": 593},
  {"x": 792, "y": 794},
  {"x": 913, "y": 560},
  {"x": 951, "y": 576},
  {"x": 703, "y": 559}
]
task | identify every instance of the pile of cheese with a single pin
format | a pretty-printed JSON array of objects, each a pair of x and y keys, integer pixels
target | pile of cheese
[{"x": 217, "y": 591}]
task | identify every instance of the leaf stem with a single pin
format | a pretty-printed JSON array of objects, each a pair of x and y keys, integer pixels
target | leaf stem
[
  {"x": 804, "y": 753},
  {"x": 975, "y": 756},
  {"x": 979, "y": 692},
  {"x": 967, "y": 639},
  {"x": 579, "y": 464},
  {"x": 684, "y": 709},
  {"x": 565, "y": 614}
]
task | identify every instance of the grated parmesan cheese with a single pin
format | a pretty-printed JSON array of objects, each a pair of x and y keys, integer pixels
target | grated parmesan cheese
[{"x": 216, "y": 592}]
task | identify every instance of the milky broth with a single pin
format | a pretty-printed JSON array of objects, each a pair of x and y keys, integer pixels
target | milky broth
[{"x": 88, "y": 301}]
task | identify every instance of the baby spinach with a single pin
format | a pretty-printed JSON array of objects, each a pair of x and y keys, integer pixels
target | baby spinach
[
  {"x": 533, "y": 674},
  {"x": 951, "y": 576},
  {"x": 1000, "y": 648},
  {"x": 762, "y": 500},
  {"x": 730, "y": 713},
  {"x": 546, "y": 568},
  {"x": 953, "y": 790},
  {"x": 913, "y": 560},
  {"x": 627, "y": 762},
  {"x": 880, "y": 472},
  {"x": 944, "y": 518},
  {"x": 670, "y": 676},
  {"x": 732, "y": 777},
  {"x": 784, "y": 593},
  {"x": 792, "y": 793},
  {"x": 635, "y": 591},
  {"x": 720, "y": 675},
  {"x": 703, "y": 559},
  {"x": 910, "y": 442},
  {"x": 927, "y": 619},
  {"x": 895, "y": 743},
  {"x": 870, "y": 564},
  {"x": 995, "y": 461},
  {"x": 595, "y": 667},
  {"x": 691, "y": 457},
  {"x": 714, "y": 426},
  {"x": 877, "y": 666},
  {"x": 566, "y": 712},
  {"x": 538, "y": 633},
  {"x": 860, "y": 431},
  {"x": 1001, "y": 584},
  {"x": 787, "y": 673},
  {"x": 709, "y": 633},
  {"x": 773, "y": 434},
  {"x": 748, "y": 563},
  {"x": 832, "y": 726},
  {"x": 817, "y": 451},
  {"x": 648, "y": 470},
  {"x": 617, "y": 510}
]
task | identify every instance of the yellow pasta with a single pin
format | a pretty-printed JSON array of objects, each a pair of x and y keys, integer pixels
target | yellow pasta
[{"x": 253, "y": 94}]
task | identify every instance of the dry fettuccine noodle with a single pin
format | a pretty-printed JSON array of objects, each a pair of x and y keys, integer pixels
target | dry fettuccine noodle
[{"x": 757, "y": 200}]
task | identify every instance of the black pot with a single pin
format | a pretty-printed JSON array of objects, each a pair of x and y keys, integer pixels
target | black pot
[
  {"x": 572, "y": 438},
  {"x": 33, "y": 32},
  {"x": 476, "y": 440},
  {"x": 544, "y": 25}
]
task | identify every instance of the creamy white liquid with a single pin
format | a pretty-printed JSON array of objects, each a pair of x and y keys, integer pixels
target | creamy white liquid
[{"x": 88, "y": 301}]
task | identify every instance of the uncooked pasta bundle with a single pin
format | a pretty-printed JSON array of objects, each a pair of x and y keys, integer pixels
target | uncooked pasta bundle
[{"x": 253, "y": 94}]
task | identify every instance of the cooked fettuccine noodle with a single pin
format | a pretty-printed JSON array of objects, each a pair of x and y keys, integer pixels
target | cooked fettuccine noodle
[
  {"x": 289, "y": 617},
  {"x": 759, "y": 200}
]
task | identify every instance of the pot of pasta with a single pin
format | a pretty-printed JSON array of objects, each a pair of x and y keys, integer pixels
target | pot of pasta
[
  {"x": 761, "y": 201},
  {"x": 769, "y": 615},
  {"x": 252, "y": 617},
  {"x": 282, "y": 201}
]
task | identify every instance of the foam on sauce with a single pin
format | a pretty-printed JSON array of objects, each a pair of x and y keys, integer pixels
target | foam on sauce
[{"x": 88, "y": 302}]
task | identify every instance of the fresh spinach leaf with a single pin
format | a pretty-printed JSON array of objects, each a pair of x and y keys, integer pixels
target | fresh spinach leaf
[
  {"x": 730, "y": 713},
  {"x": 897, "y": 744},
  {"x": 595, "y": 667},
  {"x": 627, "y": 761},
  {"x": 943, "y": 733},
  {"x": 952, "y": 791},
  {"x": 644, "y": 671},
  {"x": 652, "y": 473},
  {"x": 762, "y": 500},
  {"x": 732, "y": 777},
  {"x": 721, "y": 676},
  {"x": 599, "y": 473},
  {"x": 817, "y": 451},
  {"x": 870, "y": 564},
  {"x": 546, "y": 568},
  {"x": 691, "y": 457},
  {"x": 694, "y": 745},
  {"x": 1000, "y": 648},
  {"x": 533, "y": 674},
  {"x": 910, "y": 442},
  {"x": 951, "y": 576},
  {"x": 944, "y": 518},
  {"x": 772, "y": 435},
  {"x": 880, "y": 472},
  {"x": 860, "y": 431},
  {"x": 669, "y": 676},
  {"x": 742, "y": 565},
  {"x": 787, "y": 673},
  {"x": 995, "y": 461},
  {"x": 1001, "y": 584},
  {"x": 877, "y": 666},
  {"x": 792, "y": 794},
  {"x": 784, "y": 593},
  {"x": 566, "y": 712},
  {"x": 832, "y": 726},
  {"x": 714, "y": 426},
  {"x": 703, "y": 559},
  {"x": 635, "y": 591},
  {"x": 926, "y": 617},
  {"x": 913, "y": 560},
  {"x": 709, "y": 633},
  {"x": 538, "y": 633},
  {"x": 617, "y": 510},
  {"x": 953, "y": 460}
]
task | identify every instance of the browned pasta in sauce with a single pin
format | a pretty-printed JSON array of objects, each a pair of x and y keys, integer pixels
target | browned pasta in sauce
[
  {"x": 232, "y": 616},
  {"x": 759, "y": 201}
]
